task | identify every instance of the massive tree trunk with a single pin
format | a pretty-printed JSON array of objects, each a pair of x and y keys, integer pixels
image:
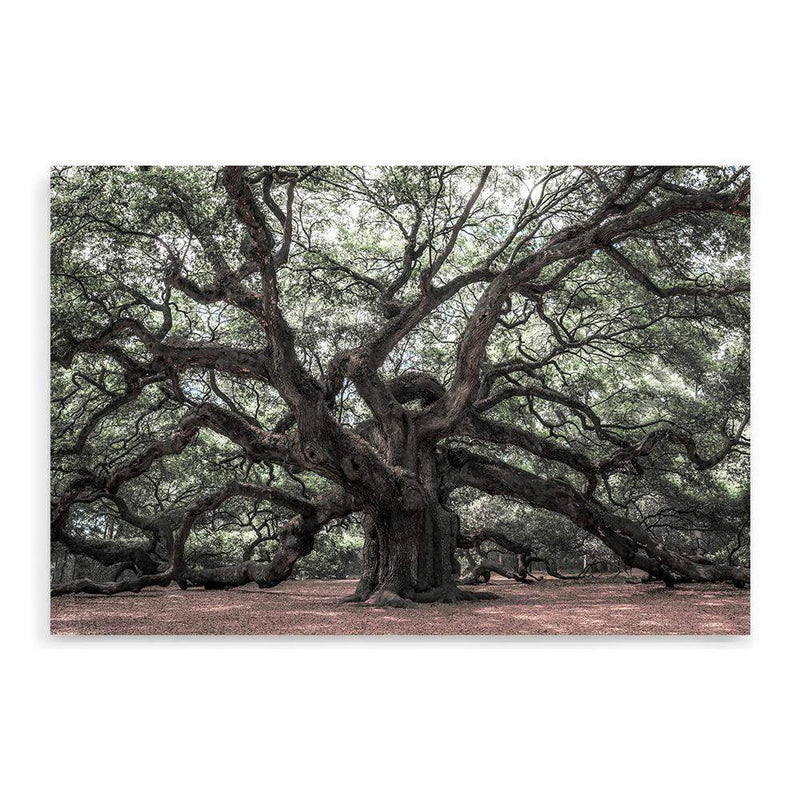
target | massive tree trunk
[
  {"x": 409, "y": 553},
  {"x": 410, "y": 556}
]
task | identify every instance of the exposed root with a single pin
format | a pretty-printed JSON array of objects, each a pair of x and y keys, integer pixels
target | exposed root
[
  {"x": 388, "y": 599},
  {"x": 477, "y": 596},
  {"x": 356, "y": 597},
  {"x": 451, "y": 594}
]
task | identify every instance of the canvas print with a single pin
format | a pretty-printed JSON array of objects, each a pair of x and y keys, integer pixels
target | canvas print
[{"x": 441, "y": 400}]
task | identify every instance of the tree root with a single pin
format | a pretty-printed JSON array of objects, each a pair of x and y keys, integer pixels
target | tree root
[
  {"x": 386, "y": 598},
  {"x": 356, "y": 597},
  {"x": 452, "y": 594}
]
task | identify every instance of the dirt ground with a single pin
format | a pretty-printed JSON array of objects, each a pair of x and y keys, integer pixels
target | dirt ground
[{"x": 310, "y": 607}]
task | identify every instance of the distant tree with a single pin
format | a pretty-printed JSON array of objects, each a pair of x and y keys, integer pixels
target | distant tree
[{"x": 299, "y": 345}]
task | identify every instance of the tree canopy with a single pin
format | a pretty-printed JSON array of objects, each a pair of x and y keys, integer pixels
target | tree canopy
[{"x": 251, "y": 361}]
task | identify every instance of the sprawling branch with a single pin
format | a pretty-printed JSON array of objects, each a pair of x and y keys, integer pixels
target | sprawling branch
[
  {"x": 526, "y": 556},
  {"x": 296, "y": 539},
  {"x": 641, "y": 277},
  {"x": 302, "y": 393},
  {"x": 625, "y": 537},
  {"x": 602, "y": 231}
]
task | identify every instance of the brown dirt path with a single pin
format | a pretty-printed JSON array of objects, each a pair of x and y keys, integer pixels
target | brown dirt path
[{"x": 309, "y": 607}]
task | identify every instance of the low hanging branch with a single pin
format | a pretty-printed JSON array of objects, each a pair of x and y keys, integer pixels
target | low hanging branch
[{"x": 526, "y": 557}]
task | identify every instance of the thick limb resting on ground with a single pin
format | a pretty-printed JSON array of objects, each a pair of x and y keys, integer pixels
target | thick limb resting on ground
[
  {"x": 251, "y": 361},
  {"x": 527, "y": 557}
]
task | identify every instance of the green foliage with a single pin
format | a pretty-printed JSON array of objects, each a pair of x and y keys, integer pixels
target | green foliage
[{"x": 336, "y": 555}]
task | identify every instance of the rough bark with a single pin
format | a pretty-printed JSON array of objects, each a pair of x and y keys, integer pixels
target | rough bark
[{"x": 409, "y": 552}]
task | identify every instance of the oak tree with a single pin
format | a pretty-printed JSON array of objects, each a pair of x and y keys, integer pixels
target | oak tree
[{"x": 282, "y": 349}]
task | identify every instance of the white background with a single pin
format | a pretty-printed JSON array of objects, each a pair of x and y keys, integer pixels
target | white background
[{"x": 604, "y": 82}]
